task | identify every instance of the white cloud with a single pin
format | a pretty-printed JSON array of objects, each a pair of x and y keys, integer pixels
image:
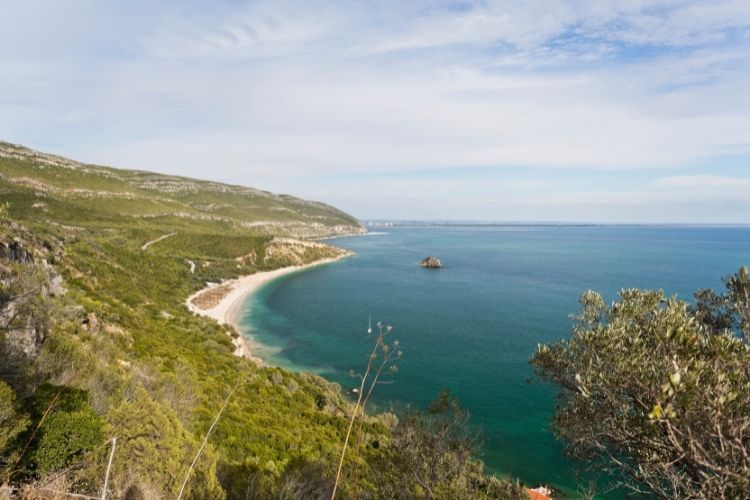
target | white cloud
[
  {"x": 266, "y": 91},
  {"x": 326, "y": 117},
  {"x": 530, "y": 24},
  {"x": 252, "y": 30},
  {"x": 691, "y": 199}
]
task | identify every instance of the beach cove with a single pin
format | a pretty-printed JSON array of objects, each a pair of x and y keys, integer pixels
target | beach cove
[{"x": 224, "y": 301}]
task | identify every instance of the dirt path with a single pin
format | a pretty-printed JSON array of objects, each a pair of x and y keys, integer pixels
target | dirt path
[{"x": 145, "y": 246}]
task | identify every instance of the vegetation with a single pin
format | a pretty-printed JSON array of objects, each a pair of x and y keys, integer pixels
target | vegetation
[
  {"x": 658, "y": 391},
  {"x": 13, "y": 421},
  {"x": 96, "y": 343},
  {"x": 384, "y": 356},
  {"x": 431, "y": 457},
  {"x": 69, "y": 432},
  {"x": 729, "y": 311}
]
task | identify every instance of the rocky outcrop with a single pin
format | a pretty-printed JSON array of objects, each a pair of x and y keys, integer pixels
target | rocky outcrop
[
  {"x": 15, "y": 252},
  {"x": 281, "y": 252},
  {"x": 431, "y": 263},
  {"x": 296, "y": 229},
  {"x": 20, "y": 245},
  {"x": 28, "y": 281}
]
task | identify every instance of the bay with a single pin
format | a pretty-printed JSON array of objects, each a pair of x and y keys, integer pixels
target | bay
[{"x": 472, "y": 325}]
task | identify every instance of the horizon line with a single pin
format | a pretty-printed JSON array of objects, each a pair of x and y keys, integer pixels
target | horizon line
[{"x": 486, "y": 222}]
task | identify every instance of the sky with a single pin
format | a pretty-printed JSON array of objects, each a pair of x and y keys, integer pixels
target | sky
[{"x": 539, "y": 110}]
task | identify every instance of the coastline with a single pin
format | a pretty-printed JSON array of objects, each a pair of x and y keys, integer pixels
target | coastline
[
  {"x": 336, "y": 236},
  {"x": 228, "y": 297}
]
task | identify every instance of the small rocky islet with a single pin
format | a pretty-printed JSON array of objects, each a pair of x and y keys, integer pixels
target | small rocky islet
[{"x": 431, "y": 263}]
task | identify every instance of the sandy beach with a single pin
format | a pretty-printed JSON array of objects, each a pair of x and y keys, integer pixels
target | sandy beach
[{"x": 222, "y": 301}]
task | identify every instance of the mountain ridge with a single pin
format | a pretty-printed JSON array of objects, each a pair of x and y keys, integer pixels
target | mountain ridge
[{"x": 171, "y": 195}]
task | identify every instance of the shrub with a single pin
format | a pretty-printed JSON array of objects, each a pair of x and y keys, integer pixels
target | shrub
[
  {"x": 13, "y": 421},
  {"x": 656, "y": 394},
  {"x": 65, "y": 437}
]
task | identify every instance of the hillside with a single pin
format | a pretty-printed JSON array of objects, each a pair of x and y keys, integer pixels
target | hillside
[
  {"x": 96, "y": 342},
  {"x": 79, "y": 193}
]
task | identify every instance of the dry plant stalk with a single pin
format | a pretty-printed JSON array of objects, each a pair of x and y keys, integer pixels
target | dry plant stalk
[
  {"x": 387, "y": 353},
  {"x": 205, "y": 438}
]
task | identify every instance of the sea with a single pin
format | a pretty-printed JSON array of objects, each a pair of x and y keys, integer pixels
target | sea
[{"x": 472, "y": 326}]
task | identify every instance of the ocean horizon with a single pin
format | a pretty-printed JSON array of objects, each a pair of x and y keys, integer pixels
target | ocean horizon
[{"x": 472, "y": 326}]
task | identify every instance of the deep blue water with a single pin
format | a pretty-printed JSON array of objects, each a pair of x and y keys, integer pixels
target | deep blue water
[{"x": 473, "y": 325}]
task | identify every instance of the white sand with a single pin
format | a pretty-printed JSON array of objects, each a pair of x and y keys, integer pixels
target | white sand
[{"x": 226, "y": 312}]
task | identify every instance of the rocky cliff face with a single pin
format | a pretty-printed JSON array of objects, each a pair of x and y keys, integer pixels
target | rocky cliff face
[
  {"x": 14, "y": 252},
  {"x": 27, "y": 282}
]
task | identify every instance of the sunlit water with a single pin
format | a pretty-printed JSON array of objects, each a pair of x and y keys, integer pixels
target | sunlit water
[{"x": 473, "y": 325}]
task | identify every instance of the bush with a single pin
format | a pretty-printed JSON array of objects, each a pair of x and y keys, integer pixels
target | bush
[
  {"x": 65, "y": 437},
  {"x": 650, "y": 390},
  {"x": 13, "y": 421},
  {"x": 156, "y": 452}
]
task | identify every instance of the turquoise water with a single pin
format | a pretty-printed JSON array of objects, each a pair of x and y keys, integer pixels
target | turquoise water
[{"x": 473, "y": 325}]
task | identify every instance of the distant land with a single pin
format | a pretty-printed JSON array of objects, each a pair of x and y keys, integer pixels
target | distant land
[{"x": 384, "y": 223}]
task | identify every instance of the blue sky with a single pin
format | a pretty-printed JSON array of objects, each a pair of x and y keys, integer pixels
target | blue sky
[{"x": 601, "y": 111}]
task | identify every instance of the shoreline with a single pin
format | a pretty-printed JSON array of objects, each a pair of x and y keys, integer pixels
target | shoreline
[
  {"x": 233, "y": 294},
  {"x": 336, "y": 236}
]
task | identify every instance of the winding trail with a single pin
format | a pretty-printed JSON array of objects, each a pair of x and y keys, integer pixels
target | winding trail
[{"x": 145, "y": 246}]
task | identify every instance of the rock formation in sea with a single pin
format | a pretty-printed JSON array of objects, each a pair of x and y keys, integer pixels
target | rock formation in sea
[{"x": 431, "y": 263}]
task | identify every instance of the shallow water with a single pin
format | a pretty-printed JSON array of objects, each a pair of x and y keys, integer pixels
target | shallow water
[{"x": 473, "y": 325}]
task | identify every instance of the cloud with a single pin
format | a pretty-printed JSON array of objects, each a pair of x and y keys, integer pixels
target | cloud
[
  {"x": 529, "y": 25},
  {"x": 501, "y": 196},
  {"x": 265, "y": 92},
  {"x": 254, "y": 30}
]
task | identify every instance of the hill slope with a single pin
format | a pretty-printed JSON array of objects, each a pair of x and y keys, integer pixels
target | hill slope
[
  {"x": 86, "y": 192},
  {"x": 95, "y": 267}
]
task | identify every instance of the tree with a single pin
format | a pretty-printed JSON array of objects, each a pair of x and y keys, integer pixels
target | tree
[
  {"x": 738, "y": 295},
  {"x": 729, "y": 310},
  {"x": 657, "y": 391}
]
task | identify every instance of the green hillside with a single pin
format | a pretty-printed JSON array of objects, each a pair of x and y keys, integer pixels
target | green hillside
[
  {"x": 55, "y": 188},
  {"x": 96, "y": 342}
]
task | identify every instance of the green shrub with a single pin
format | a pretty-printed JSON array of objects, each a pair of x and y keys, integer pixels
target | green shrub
[
  {"x": 65, "y": 437},
  {"x": 155, "y": 450},
  {"x": 13, "y": 421}
]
